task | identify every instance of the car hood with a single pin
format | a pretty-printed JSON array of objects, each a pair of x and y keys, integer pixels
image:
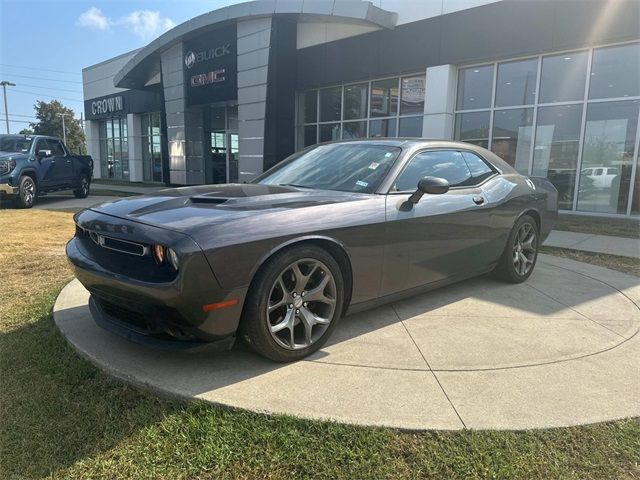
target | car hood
[
  {"x": 190, "y": 209},
  {"x": 12, "y": 155}
]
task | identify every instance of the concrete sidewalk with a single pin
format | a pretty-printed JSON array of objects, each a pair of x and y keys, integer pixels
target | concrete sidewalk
[
  {"x": 626, "y": 247},
  {"x": 560, "y": 349}
]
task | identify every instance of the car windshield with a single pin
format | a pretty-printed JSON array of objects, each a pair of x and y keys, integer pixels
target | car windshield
[
  {"x": 346, "y": 167},
  {"x": 22, "y": 145}
]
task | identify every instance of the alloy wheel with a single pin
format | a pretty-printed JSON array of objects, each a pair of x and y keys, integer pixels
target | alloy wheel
[
  {"x": 84, "y": 186},
  {"x": 301, "y": 304},
  {"x": 524, "y": 249},
  {"x": 28, "y": 191}
]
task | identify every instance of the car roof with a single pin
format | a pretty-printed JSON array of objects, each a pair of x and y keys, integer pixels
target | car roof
[
  {"x": 413, "y": 143},
  {"x": 13, "y": 135}
]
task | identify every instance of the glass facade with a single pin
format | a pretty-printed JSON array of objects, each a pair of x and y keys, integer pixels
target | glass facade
[
  {"x": 381, "y": 108},
  {"x": 571, "y": 117},
  {"x": 151, "y": 147},
  {"x": 114, "y": 148}
]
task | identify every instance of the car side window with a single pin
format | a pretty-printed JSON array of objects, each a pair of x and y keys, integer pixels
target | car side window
[
  {"x": 480, "y": 171},
  {"x": 42, "y": 145},
  {"x": 56, "y": 148},
  {"x": 447, "y": 164}
]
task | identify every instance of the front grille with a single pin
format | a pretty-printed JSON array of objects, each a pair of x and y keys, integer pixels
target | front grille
[
  {"x": 117, "y": 244},
  {"x": 135, "y": 319},
  {"x": 4, "y": 168}
]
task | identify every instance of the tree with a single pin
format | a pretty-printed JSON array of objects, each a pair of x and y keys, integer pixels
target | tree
[
  {"x": 50, "y": 123},
  {"x": 26, "y": 131}
]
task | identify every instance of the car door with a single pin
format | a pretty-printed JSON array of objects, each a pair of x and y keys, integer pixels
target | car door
[
  {"x": 441, "y": 236},
  {"x": 46, "y": 163},
  {"x": 62, "y": 163}
]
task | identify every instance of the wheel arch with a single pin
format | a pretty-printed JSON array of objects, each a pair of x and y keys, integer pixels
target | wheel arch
[
  {"x": 533, "y": 213},
  {"x": 334, "y": 247},
  {"x": 29, "y": 172}
]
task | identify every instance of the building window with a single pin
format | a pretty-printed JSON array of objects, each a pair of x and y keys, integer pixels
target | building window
[
  {"x": 114, "y": 148},
  {"x": 557, "y": 143},
  {"x": 615, "y": 72},
  {"x": 552, "y": 116},
  {"x": 151, "y": 147},
  {"x": 516, "y": 83},
  {"x": 380, "y": 108},
  {"x": 563, "y": 77}
]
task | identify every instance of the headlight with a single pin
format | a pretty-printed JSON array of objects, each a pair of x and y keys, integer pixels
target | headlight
[
  {"x": 12, "y": 165},
  {"x": 172, "y": 257},
  {"x": 160, "y": 254}
]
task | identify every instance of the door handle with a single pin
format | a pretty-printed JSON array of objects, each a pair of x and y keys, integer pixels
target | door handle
[
  {"x": 68, "y": 161},
  {"x": 478, "y": 200}
]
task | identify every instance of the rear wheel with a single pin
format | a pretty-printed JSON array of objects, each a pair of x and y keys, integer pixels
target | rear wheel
[
  {"x": 83, "y": 187},
  {"x": 26, "y": 192},
  {"x": 521, "y": 253},
  {"x": 294, "y": 304}
]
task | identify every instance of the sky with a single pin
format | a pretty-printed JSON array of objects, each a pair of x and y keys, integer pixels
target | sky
[{"x": 44, "y": 45}]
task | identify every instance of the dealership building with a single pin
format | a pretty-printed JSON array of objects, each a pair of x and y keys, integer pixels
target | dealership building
[{"x": 552, "y": 86}]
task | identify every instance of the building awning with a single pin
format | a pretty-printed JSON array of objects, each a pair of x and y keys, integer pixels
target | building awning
[{"x": 145, "y": 64}]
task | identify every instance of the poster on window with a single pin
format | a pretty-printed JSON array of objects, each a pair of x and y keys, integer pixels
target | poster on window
[{"x": 412, "y": 95}]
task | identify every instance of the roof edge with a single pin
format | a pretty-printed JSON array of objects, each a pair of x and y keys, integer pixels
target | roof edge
[{"x": 359, "y": 10}]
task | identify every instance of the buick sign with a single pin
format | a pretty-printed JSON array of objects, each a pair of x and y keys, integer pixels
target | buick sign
[
  {"x": 107, "y": 105},
  {"x": 191, "y": 58}
]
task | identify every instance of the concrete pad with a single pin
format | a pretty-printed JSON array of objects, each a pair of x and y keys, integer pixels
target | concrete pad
[{"x": 561, "y": 349}]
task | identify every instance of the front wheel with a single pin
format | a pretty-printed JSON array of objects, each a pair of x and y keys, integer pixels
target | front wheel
[
  {"x": 294, "y": 304},
  {"x": 521, "y": 253},
  {"x": 26, "y": 192},
  {"x": 83, "y": 187}
]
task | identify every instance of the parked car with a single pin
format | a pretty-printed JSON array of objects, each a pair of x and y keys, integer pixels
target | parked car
[
  {"x": 336, "y": 228},
  {"x": 31, "y": 165},
  {"x": 601, "y": 177}
]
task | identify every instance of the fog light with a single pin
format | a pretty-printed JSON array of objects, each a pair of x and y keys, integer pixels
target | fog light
[
  {"x": 158, "y": 254},
  {"x": 172, "y": 257}
]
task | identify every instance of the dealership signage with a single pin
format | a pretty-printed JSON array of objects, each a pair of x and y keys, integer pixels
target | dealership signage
[
  {"x": 107, "y": 105},
  {"x": 210, "y": 67}
]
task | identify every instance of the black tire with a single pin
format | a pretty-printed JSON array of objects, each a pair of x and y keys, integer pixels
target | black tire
[
  {"x": 256, "y": 323},
  {"x": 83, "y": 187},
  {"x": 510, "y": 266},
  {"x": 27, "y": 192}
]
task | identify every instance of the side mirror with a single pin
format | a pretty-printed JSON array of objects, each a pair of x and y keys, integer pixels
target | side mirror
[
  {"x": 430, "y": 185},
  {"x": 44, "y": 153}
]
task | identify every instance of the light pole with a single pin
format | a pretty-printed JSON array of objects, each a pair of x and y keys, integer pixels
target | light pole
[
  {"x": 6, "y": 84},
  {"x": 64, "y": 130}
]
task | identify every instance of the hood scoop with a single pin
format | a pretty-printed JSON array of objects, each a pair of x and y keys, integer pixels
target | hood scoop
[{"x": 207, "y": 199}]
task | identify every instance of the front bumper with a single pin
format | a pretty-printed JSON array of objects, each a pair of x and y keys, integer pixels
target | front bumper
[
  {"x": 6, "y": 189},
  {"x": 159, "y": 340},
  {"x": 153, "y": 311}
]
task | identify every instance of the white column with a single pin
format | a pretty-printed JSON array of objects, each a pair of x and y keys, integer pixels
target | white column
[
  {"x": 440, "y": 102},
  {"x": 135, "y": 148},
  {"x": 92, "y": 139}
]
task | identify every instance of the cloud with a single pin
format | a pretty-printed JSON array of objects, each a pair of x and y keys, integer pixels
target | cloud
[
  {"x": 94, "y": 18},
  {"x": 147, "y": 23}
]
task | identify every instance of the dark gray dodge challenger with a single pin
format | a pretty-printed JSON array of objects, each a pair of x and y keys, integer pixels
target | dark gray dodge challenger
[{"x": 335, "y": 228}]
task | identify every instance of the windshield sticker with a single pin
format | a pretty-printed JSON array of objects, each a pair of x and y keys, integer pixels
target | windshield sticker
[
  {"x": 374, "y": 165},
  {"x": 360, "y": 183},
  {"x": 388, "y": 154}
]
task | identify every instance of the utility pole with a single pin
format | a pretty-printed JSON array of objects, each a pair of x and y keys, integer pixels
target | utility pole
[
  {"x": 6, "y": 84},
  {"x": 64, "y": 130}
]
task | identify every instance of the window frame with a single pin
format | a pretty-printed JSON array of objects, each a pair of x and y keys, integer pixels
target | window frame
[{"x": 391, "y": 190}]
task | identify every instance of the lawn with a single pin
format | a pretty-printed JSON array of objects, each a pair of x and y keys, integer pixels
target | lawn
[
  {"x": 621, "y": 227},
  {"x": 62, "y": 418}
]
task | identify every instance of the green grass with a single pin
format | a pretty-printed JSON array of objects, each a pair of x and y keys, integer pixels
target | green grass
[
  {"x": 620, "y": 227},
  {"x": 60, "y": 417},
  {"x": 615, "y": 262}
]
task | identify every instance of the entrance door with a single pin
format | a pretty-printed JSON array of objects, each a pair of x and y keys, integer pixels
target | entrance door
[{"x": 222, "y": 165}]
